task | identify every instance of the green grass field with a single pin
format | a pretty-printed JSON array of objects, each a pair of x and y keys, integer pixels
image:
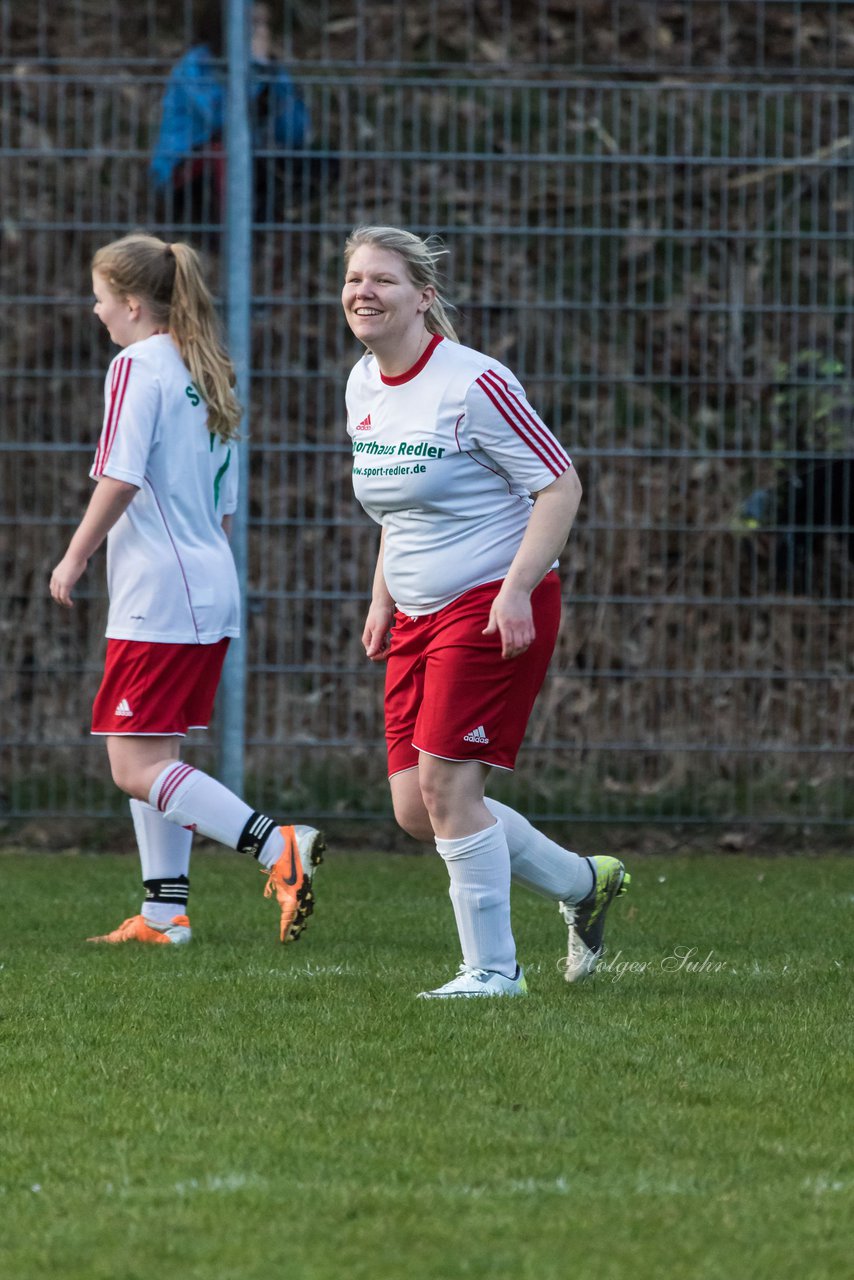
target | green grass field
[{"x": 236, "y": 1110}]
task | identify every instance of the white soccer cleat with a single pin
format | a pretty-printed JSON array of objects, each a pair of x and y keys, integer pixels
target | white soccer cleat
[{"x": 471, "y": 982}]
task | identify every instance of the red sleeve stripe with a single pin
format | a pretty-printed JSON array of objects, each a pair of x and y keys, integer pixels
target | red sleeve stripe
[
  {"x": 171, "y": 783},
  {"x": 526, "y": 425},
  {"x": 118, "y": 387}
]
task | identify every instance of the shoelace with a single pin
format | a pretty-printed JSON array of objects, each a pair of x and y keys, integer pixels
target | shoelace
[
  {"x": 468, "y": 971},
  {"x": 125, "y": 923}
]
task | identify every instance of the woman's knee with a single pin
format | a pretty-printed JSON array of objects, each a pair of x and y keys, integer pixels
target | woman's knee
[
  {"x": 434, "y": 798},
  {"x": 407, "y": 801},
  {"x": 453, "y": 792},
  {"x": 413, "y": 819},
  {"x": 133, "y": 773},
  {"x": 123, "y": 776},
  {"x": 440, "y": 798}
]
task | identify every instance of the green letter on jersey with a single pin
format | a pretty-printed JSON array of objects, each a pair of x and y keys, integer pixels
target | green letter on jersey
[
  {"x": 192, "y": 394},
  {"x": 218, "y": 479}
]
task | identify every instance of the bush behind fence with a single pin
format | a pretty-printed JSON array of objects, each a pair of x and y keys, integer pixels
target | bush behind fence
[{"x": 659, "y": 243}]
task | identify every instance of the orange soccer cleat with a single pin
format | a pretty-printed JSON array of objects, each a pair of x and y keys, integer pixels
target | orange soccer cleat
[
  {"x": 138, "y": 929},
  {"x": 291, "y": 879}
]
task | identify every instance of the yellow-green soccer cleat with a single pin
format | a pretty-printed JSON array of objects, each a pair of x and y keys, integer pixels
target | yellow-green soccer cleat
[{"x": 586, "y": 919}]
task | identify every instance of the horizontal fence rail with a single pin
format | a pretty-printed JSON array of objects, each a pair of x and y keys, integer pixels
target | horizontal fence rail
[
  {"x": 666, "y": 261},
  {"x": 761, "y": 38}
]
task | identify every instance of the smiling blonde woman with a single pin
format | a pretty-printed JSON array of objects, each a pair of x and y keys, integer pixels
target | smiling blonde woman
[{"x": 476, "y": 498}]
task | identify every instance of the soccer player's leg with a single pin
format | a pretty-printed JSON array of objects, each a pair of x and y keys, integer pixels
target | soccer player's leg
[
  {"x": 474, "y": 849},
  {"x": 164, "y": 853},
  {"x": 158, "y": 692}
]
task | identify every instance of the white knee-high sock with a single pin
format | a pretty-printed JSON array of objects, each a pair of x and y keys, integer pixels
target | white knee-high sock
[
  {"x": 164, "y": 848},
  {"x": 540, "y": 864},
  {"x": 190, "y": 798},
  {"x": 164, "y": 852},
  {"x": 479, "y": 869}
]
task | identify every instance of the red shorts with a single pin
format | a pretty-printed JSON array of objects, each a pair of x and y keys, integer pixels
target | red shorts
[
  {"x": 448, "y": 690},
  {"x": 157, "y": 689}
]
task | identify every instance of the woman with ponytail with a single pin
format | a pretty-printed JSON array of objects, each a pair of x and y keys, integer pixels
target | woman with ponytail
[
  {"x": 476, "y": 499},
  {"x": 166, "y": 488}
]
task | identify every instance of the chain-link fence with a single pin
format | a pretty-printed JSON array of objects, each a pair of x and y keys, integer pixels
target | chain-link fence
[{"x": 650, "y": 210}]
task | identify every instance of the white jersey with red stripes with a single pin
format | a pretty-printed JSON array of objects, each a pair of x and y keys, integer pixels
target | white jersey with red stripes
[
  {"x": 445, "y": 458},
  {"x": 170, "y": 572}
]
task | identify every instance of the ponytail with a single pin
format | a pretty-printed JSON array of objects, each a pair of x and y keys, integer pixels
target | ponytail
[
  {"x": 169, "y": 279},
  {"x": 194, "y": 325}
]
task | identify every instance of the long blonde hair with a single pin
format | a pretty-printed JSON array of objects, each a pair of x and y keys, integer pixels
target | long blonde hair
[
  {"x": 421, "y": 259},
  {"x": 169, "y": 279}
]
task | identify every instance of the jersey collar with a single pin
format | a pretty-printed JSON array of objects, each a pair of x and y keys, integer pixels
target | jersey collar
[{"x": 417, "y": 367}]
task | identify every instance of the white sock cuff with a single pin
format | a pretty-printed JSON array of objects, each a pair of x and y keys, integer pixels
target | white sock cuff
[
  {"x": 167, "y": 783},
  {"x": 140, "y": 810},
  {"x": 470, "y": 846}
]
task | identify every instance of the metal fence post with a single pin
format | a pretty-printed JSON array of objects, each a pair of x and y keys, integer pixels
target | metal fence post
[
  {"x": 652, "y": 227},
  {"x": 238, "y": 217}
]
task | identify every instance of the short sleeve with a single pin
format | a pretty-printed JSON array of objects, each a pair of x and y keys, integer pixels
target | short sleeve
[
  {"x": 500, "y": 422},
  {"x": 132, "y": 400}
]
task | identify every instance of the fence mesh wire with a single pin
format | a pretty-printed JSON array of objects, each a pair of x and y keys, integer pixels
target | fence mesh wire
[{"x": 649, "y": 208}]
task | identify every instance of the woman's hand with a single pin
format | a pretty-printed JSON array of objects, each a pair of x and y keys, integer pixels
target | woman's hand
[
  {"x": 109, "y": 501},
  {"x": 548, "y": 528},
  {"x": 65, "y": 577},
  {"x": 512, "y": 618},
  {"x": 376, "y": 636}
]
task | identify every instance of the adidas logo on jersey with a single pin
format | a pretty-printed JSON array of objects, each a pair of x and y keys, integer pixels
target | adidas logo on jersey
[
  {"x": 123, "y": 709},
  {"x": 477, "y": 735},
  {"x": 365, "y": 424}
]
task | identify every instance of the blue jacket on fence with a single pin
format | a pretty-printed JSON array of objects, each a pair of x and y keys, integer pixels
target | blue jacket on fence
[{"x": 194, "y": 111}]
